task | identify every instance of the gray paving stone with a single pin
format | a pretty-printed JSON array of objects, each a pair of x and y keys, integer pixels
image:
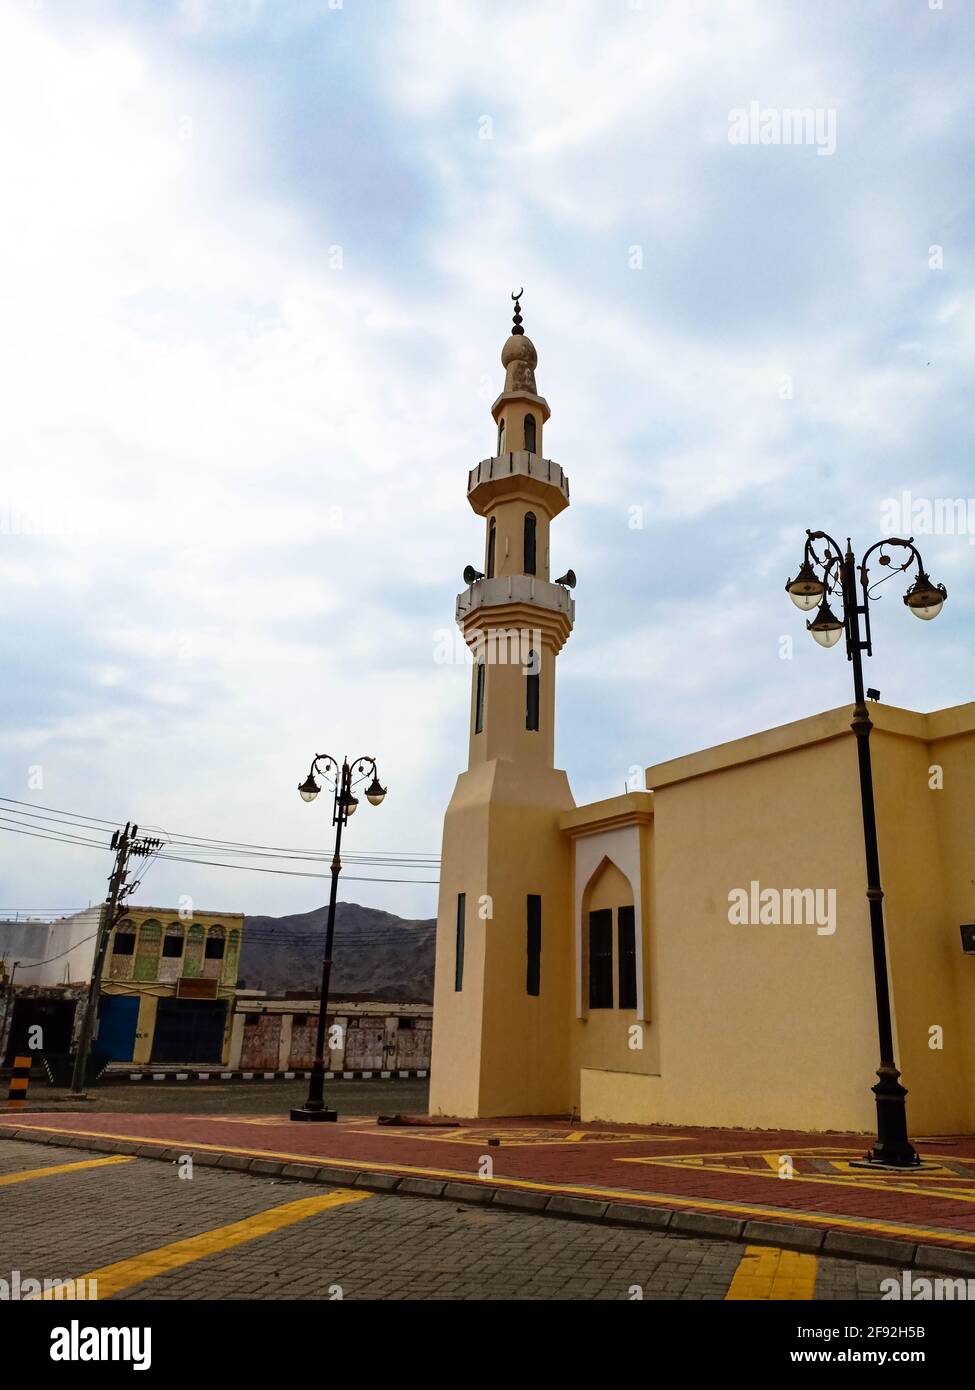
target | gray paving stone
[
  {"x": 468, "y": 1192},
  {"x": 302, "y": 1172},
  {"x": 377, "y": 1182},
  {"x": 940, "y": 1257},
  {"x": 421, "y": 1187},
  {"x": 588, "y": 1207},
  {"x": 266, "y": 1167},
  {"x": 787, "y": 1237},
  {"x": 703, "y": 1223},
  {"x": 870, "y": 1247},
  {"x": 340, "y": 1177},
  {"x": 625, "y": 1214}
]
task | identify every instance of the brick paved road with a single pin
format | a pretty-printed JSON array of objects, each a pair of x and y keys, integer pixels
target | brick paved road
[{"x": 112, "y": 1213}]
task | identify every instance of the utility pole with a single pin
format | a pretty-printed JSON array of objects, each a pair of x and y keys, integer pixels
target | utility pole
[
  {"x": 124, "y": 843},
  {"x": 8, "y": 1007}
]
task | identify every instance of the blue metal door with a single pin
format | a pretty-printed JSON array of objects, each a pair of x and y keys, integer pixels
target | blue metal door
[{"x": 118, "y": 1017}]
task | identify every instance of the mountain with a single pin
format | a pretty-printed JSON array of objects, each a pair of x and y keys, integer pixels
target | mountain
[{"x": 375, "y": 955}]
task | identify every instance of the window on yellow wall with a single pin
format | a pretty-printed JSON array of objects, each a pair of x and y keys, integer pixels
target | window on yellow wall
[
  {"x": 479, "y": 700},
  {"x": 534, "y": 973},
  {"x": 529, "y": 545},
  {"x": 173, "y": 943},
  {"x": 530, "y": 433},
  {"x": 492, "y": 543},
  {"x": 601, "y": 958},
  {"x": 459, "y": 942},
  {"x": 626, "y": 956},
  {"x": 532, "y": 693},
  {"x": 501, "y": 436}
]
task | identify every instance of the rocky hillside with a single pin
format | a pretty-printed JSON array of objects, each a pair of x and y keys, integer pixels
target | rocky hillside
[{"x": 376, "y": 955}]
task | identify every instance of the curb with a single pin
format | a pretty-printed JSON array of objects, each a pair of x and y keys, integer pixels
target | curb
[
  {"x": 940, "y": 1259},
  {"x": 217, "y": 1073}
]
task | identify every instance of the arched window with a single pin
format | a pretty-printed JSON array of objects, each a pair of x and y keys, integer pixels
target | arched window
[
  {"x": 530, "y": 433},
  {"x": 171, "y": 961},
  {"x": 532, "y": 691},
  {"x": 479, "y": 700},
  {"x": 231, "y": 956},
  {"x": 215, "y": 943},
  {"x": 529, "y": 542},
  {"x": 148, "y": 950},
  {"x": 492, "y": 537},
  {"x": 173, "y": 942},
  {"x": 193, "y": 956},
  {"x": 123, "y": 951},
  {"x": 501, "y": 436},
  {"x": 124, "y": 943},
  {"x": 213, "y": 951}
]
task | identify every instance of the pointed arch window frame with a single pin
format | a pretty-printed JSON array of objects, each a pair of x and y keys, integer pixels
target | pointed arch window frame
[{"x": 627, "y": 855}]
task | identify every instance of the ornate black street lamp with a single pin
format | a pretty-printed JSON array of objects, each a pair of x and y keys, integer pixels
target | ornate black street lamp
[
  {"x": 344, "y": 805},
  {"x": 834, "y": 574}
]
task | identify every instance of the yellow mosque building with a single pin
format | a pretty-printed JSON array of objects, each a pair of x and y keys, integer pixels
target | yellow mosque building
[{"x": 698, "y": 952}]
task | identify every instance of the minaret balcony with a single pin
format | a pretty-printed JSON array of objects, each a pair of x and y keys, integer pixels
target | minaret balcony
[
  {"x": 518, "y": 473},
  {"x": 516, "y": 601}
]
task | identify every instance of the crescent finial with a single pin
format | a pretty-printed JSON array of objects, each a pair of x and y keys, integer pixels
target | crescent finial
[{"x": 516, "y": 329}]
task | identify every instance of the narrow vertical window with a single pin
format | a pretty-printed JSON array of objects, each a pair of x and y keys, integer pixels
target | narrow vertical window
[
  {"x": 529, "y": 542},
  {"x": 530, "y": 433},
  {"x": 459, "y": 947},
  {"x": 532, "y": 691},
  {"x": 501, "y": 436},
  {"x": 534, "y": 975},
  {"x": 601, "y": 959},
  {"x": 626, "y": 956},
  {"x": 479, "y": 699},
  {"x": 492, "y": 541}
]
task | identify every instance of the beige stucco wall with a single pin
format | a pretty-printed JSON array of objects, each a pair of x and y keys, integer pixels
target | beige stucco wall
[
  {"x": 496, "y": 1049},
  {"x": 775, "y": 1025}
]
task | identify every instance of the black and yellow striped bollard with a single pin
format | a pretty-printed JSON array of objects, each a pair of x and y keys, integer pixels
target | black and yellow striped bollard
[{"x": 19, "y": 1081}]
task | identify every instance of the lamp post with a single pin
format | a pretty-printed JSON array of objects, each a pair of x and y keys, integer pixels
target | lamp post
[
  {"x": 344, "y": 805},
  {"x": 834, "y": 574}
]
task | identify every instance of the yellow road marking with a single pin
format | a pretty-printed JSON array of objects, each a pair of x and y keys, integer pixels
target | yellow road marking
[
  {"x": 112, "y": 1279},
  {"x": 49, "y": 1172},
  {"x": 852, "y": 1179},
  {"x": 929, "y": 1234},
  {"x": 768, "y": 1273}
]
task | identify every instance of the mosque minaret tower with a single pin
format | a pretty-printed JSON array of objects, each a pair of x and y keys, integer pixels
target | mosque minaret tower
[{"x": 503, "y": 970}]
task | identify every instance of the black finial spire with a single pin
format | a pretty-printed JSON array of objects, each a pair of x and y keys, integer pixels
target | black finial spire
[{"x": 517, "y": 330}]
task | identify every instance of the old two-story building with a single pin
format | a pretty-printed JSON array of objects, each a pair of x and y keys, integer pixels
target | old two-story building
[{"x": 167, "y": 985}]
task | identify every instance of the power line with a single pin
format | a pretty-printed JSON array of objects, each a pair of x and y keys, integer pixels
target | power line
[
  {"x": 31, "y": 965},
  {"x": 212, "y": 843},
  {"x": 290, "y": 873},
  {"x": 210, "y": 863}
]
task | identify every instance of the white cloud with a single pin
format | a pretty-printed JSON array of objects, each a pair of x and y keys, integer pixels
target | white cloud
[{"x": 232, "y": 450}]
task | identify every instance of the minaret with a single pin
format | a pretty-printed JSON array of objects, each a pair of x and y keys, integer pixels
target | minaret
[{"x": 502, "y": 993}]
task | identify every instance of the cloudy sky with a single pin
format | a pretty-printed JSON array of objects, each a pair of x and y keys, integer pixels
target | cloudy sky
[{"x": 255, "y": 261}]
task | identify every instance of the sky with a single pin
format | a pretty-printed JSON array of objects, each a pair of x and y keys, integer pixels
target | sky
[{"x": 255, "y": 267}]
